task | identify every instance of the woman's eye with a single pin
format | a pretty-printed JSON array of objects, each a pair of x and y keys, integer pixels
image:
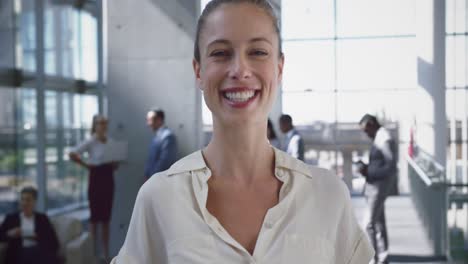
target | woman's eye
[
  {"x": 219, "y": 53},
  {"x": 259, "y": 53}
]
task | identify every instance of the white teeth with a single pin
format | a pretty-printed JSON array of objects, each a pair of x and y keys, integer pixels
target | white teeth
[{"x": 239, "y": 96}]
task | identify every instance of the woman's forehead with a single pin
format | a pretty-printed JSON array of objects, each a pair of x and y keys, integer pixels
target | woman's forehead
[{"x": 238, "y": 22}]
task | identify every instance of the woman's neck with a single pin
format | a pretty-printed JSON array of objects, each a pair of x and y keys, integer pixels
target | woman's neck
[{"x": 242, "y": 154}]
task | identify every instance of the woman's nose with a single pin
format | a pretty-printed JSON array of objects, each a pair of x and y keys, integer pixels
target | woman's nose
[{"x": 240, "y": 68}]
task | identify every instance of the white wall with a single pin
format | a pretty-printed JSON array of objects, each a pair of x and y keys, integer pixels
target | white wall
[{"x": 149, "y": 65}]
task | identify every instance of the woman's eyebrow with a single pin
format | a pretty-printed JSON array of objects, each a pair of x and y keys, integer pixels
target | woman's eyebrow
[
  {"x": 261, "y": 39},
  {"x": 219, "y": 41}
]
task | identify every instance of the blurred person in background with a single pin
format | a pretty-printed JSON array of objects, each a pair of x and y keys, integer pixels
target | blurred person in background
[
  {"x": 380, "y": 176},
  {"x": 163, "y": 146},
  {"x": 293, "y": 143},
  {"x": 101, "y": 179},
  {"x": 29, "y": 235},
  {"x": 271, "y": 134}
]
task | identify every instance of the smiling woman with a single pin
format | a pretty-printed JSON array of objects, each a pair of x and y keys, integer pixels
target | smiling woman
[{"x": 240, "y": 200}]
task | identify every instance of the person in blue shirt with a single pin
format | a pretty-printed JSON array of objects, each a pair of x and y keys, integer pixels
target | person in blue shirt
[{"x": 163, "y": 147}]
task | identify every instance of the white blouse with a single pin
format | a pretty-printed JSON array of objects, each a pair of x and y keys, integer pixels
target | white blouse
[
  {"x": 27, "y": 230},
  {"x": 313, "y": 222},
  {"x": 95, "y": 149}
]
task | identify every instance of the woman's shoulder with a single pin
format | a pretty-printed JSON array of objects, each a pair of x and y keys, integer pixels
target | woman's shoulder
[
  {"x": 325, "y": 182},
  {"x": 177, "y": 177},
  {"x": 312, "y": 179},
  {"x": 304, "y": 170}
]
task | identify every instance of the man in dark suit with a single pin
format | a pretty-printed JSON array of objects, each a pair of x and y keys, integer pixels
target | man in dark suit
[
  {"x": 29, "y": 235},
  {"x": 380, "y": 176},
  {"x": 163, "y": 147}
]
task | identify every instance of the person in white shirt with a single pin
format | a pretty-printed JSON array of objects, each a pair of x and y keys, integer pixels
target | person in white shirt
[
  {"x": 101, "y": 179},
  {"x": 293, "y": 143},
  {"x": 29, "y": 235},
  {"x": 381, "y": 180},
  {"x": 239, "y": 200}
]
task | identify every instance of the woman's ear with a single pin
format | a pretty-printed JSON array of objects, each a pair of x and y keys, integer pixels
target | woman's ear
[
  {"x": 280, "y": 68},
  {"x": 196, "y": 69}
]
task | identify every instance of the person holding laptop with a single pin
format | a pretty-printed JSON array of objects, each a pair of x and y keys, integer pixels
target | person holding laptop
[{"x": 101, "y": 178}]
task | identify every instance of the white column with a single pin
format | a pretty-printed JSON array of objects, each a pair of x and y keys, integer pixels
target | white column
[
  {"x": 431, "y": 112},
  {"x": 430, "y": 106},
  {"x": 150, "y": 51}
]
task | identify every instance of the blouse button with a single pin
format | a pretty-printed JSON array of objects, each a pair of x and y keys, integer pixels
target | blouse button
[{"x": 268, "y": 225}]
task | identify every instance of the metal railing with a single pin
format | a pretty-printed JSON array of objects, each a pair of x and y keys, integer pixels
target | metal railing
[{"x": 429, "y": 194}]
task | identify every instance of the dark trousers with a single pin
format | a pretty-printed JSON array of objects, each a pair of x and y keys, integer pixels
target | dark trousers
[{"x": 30, "y": 255}]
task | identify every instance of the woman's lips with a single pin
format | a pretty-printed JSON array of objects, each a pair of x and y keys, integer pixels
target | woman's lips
[{"x": 239, "y": 97}]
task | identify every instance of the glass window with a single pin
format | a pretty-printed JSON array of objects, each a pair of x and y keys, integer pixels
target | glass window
[
  {"x": 305, "y": 19},
  {"x": 375, "y": 18},
  {"x": 456, "y": 61},
  {"x": 309, "y": 107},
  {"x": 376, "y": 64},
  {"x": 455, "y": 16},
  {"x": 18, "y": 156},
  {"x": 88, "y": 47},
  {"x": 390, "y": 106},
  {"x": 70, "y": 42},
  {"x": 8, "y": 157},
  {"x": 7, "y": 35},
  {"x": 68, "y": 119},
  {"x": 27, "y": 36},
  {"x": 309, "y": 65},
  {"x": 455, "y": 100}
]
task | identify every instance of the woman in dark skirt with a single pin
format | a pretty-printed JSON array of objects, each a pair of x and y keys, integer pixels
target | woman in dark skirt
[{"x": 101, "y": 178}]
